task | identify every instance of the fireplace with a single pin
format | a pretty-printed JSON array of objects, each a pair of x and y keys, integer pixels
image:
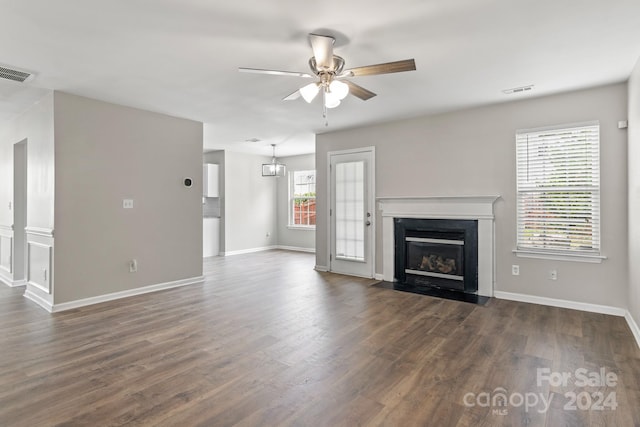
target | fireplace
[
  {"x": 437, "y": 253},
  {"x": 472, "y": 208}
]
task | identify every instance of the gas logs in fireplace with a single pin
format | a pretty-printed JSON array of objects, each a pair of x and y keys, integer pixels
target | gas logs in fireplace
[{"x": 437, "y": 253}]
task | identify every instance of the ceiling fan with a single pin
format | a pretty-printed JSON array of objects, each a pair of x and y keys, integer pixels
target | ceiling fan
[{"x": 330, "y": 76}]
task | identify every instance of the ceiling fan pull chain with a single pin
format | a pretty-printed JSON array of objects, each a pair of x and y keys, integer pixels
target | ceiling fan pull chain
[{"x": 325, "y": 112}]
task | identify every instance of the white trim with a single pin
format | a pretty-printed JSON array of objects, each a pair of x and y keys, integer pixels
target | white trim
[
  {"x": 554, "y": 302},
  {"x": 28, "y": 294},
  {"x": 321, "y": 268},
  {"x": 38, "y": 231},
  {"x": 633, "y": 326},
  {"x": 6, "y": 227},
  {"x": 378, "y": 276},
  {"x": 124, "y": 294},
  {"x": 248, "y": 251},
  {"x": 302, "y": 227},
  {"x": 13, "y": 283},
  {"x": 560, "y": 126},
  {"x": 296, "y": 248},
  {"x": 527, "y": 253}
]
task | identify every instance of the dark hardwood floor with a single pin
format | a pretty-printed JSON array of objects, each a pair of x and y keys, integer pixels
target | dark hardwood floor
[{"x": 268, "y": 341}]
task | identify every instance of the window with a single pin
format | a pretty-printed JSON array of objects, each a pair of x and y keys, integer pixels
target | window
[
  {"x": 558, "y": 190},
  {"x": 302, "y": 197}
]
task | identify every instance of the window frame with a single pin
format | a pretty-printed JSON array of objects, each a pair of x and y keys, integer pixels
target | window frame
[
  {"x": 546, "y": 188},
  {"x": 292, "y": 197}
]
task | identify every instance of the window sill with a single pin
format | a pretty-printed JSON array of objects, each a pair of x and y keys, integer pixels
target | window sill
[
  {"x": 302, "y": 227},
  {"x": 559, "y": 256}
]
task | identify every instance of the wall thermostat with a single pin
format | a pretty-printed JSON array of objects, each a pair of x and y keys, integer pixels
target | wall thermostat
[{"x": 188, "y": 182}]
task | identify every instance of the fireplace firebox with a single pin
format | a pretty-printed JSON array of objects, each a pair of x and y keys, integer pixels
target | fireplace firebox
[{"x": 437, "y": 253}]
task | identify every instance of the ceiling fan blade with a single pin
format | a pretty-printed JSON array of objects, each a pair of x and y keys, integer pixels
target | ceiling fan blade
[
  {"x": 273, "y": 72},
  {"x": 359, "y": 91},
  {"x": 293, "y": 96},
  {"x": 322, "y": 50},
  {"x": 386, "y": 68}
]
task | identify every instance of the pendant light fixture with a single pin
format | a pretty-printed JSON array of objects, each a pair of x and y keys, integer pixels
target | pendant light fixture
[{"x": 274, "y": 168}]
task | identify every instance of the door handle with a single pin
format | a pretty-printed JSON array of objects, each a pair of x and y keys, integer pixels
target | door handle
[{"x": 368, "y": 223}]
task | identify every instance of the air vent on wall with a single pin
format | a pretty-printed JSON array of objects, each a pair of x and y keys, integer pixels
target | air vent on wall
[
  {"x": 518, "y": 89},
  {"x": 13, "y": 74}
]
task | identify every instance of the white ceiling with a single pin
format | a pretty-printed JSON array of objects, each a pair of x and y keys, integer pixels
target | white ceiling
[{"x": 180, "y": 57}]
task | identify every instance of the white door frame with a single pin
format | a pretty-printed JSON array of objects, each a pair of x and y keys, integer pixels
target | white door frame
[{"x": 371, "y": 200}]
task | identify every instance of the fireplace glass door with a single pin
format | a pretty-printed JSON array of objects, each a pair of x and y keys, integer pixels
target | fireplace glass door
[{"x": 435, "y": 258}]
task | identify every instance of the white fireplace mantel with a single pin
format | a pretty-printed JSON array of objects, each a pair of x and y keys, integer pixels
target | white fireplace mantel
[{"x": 478, "y": 208}]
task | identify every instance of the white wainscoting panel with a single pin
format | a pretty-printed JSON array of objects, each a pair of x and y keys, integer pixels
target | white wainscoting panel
[
  {"x": 6, "y": 245},
  {"x": 6, "y": 254},
  {"x": 39, "y": 262},
  {"x": 40, "y": 255}
]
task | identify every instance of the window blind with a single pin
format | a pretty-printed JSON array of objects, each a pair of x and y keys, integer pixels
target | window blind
[{"x": 558, "y": 188}]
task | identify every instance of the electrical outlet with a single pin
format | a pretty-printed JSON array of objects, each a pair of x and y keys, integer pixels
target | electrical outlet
[
  {"x": 553, "y": 275},
  {"x": 127, "y": 203},
  {"x": 515, "y": 270},
  {"x": 133, "y": 266}
]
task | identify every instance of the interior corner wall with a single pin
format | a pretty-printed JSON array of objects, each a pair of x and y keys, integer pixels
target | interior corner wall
[
  {"x": 472, "y": 152},
  {"x": 634, "y": 193},
  {"x": 292, "y": 237},
  {"x": 249, "y": 205},
  {"x": 105, "y": 153}
]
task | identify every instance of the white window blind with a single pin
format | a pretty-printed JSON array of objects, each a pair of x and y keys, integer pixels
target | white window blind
[{"x": 558, "y": 186}]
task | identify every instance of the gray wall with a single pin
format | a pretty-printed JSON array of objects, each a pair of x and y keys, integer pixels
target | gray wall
[
  {"x": 634, "y": 193},
  {"x": 36, "y": 126},
  {"x": 296, "y": 238},
  {"x": 472, "y": 152},
  {"x": 103, "y": 154},
  {"x": 249, "y": 205}
]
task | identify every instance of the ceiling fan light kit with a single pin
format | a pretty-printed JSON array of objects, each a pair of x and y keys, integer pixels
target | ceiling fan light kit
[{"x": 327, "y": 68}]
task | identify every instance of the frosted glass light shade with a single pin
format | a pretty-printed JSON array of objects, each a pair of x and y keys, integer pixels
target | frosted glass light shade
[
  {"x": 309, "y": 91},
  {"x": 339, "y": 89},
  {"x": 331, "y": 100}
]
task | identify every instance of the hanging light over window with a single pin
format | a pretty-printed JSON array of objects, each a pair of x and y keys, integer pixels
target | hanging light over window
[{"x": 274, "y": 168}]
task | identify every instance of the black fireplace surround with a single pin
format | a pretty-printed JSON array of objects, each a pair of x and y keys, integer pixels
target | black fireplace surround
[{"x": 437, "y": 253}]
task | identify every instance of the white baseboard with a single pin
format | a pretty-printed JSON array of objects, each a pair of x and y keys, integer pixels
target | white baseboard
[
  {"x": 17, "y": 283},
  {"x": 122, "y": 294},
  {"x": 28, "y": 294},
  {"x": 321, "y": 268},
  {"x": 296, "y": 248},
  {"x": 633, "y": 326},
  {"x": 248, "y": 251},
  {"x": 13, "y": 283},
  {"x": 379, "y": 276},
  {"x": 553, "y": 302}
]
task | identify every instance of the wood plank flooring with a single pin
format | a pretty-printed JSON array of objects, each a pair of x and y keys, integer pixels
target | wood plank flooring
[{"x": 268, "y": 341}]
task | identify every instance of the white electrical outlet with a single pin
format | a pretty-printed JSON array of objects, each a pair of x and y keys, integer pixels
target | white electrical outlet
[
  {"x": 553, "y": 275},
  {"x": 133, "y": 266},
  {"x": 127, "y": 203},
  {"x": 515, "y": 270}
]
